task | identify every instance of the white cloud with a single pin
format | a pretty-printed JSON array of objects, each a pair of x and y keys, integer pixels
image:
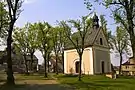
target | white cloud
[{"x": 29, "y": 1}]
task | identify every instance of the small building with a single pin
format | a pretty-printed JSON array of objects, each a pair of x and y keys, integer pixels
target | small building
[
  {"x": 96, "y": 56},
  {"x": 18, "y": 62},
  {"x": 128, "y": 68}
]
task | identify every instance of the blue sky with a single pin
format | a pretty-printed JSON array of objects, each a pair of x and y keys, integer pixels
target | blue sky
[{"x": 52, "y": 10}]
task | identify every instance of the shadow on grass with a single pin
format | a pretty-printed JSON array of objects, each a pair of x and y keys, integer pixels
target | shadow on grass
[
  {"x": 115, "y": 82},
  {"x": 2, "y": 81},
  {"x": 32, "y": 77},
  {"x": 93, "y": 85},
  {"x": 34, "y": 87}
]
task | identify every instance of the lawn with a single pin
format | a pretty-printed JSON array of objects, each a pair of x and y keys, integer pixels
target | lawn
[
  {"x": 64, "y": 82},
  {"x": 98, "y": 82}
]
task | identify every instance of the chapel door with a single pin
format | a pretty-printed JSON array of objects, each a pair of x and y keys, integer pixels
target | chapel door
[
  {"x": 103, "y": 67},
  {"x": 77, "y": 67}
]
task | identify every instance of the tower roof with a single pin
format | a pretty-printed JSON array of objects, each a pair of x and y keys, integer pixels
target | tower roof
[
  {"x": 95, "y": 17},
  {"x": 95, "y": 21}
]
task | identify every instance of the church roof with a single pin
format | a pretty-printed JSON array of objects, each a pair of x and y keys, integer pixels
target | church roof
[{"x": 89, "y": 39}]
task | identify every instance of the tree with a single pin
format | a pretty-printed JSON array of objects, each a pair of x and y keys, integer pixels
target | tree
[
  {"x": 56, "y": 45},
  {"x": 21, "y": 44},
  {"x": 124, "y": 13},
  {"x": 62, "y": 41},
  {"x": 103, "y": 24},
  {"x": 59, "y": 39},
  {"x": 13, "y": 13},
  {"x": 4, "y": 20},
  {"x": 32, "y": 35},
  {"x": 120, "y": 42},
  {"x": 82, "y": 26},
  {"x": 44, "y": 41},
  {"x": 105, "y": 29}
]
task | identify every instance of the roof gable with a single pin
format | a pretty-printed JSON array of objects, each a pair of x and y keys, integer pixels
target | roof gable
[{"x": 100, "y": 39}]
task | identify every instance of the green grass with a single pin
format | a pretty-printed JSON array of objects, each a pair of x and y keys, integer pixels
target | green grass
[
  {"x": 98, "y": 82},
  {"x": 31, "y": 77}
]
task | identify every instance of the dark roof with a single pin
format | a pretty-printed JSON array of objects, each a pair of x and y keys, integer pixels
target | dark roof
[
  {"x": 29, "y": 57},
  {"x": 128, "y": 62},
  {"x": 89, "y": 39},
  {"x": 131, "y": 57}
]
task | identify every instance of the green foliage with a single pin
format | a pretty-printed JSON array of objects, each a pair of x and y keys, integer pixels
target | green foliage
[
  {"x": 78, "y": 39},
  {"x": 44, "y": 37},
  {"x": 20, "y": 40},
  {"x": 26, "y": 38},
  {"x": 57, "y": 34},
  {"x": 103, "y": 22},
  {"x": 79, "y": 28},
  {"x": 107, "y": 33},
  {"x": 44, "y": 41},
  {"x": 4, "y": 20},
  {"x": 88, "y": 4},
  {"x": 32, "y": 37},
  {"x": 123, "y": 12},
  {"x": 120, "y": 40}
]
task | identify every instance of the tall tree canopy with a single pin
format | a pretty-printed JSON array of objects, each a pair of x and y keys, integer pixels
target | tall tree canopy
[
  {"x": 120, "y": 42},
  {"x": 4, "y": 20},
  {"x": 44, "y": 41},
  {"x": 21, "y": 43},
  {"x": 32, "y": 39},
  {"x": 123, "y": 12},
  {"x": 14, "y": 11},
  {"x": 107, "y": 33}
]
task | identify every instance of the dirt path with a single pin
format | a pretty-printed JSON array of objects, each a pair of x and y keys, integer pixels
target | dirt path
[
  {"x": 40, "y": 82},
  {"x": 37, "y": 85}
]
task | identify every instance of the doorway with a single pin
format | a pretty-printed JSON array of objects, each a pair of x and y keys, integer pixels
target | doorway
[
  {"x": 103, "y": 67},
  {"x": 77, "y": 66}
]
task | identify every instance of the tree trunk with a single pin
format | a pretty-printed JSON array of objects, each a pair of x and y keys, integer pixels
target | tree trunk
[
  {"x": 45, "y": 54},
  {"x": 56, "y": 64},
  {"x": 131, "y": 30},
  {"x": 48, "y": 57},
  {"x": 120, "y": 63},
  {"x": 133, "y": 47},
  {"x": 10, "y": 77},
  {"x": 31, "y": 64},
  {"x": 80, "y": 69},
  {"x": 26, "y": 65},
  {"x": 63, "y": 60}
]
